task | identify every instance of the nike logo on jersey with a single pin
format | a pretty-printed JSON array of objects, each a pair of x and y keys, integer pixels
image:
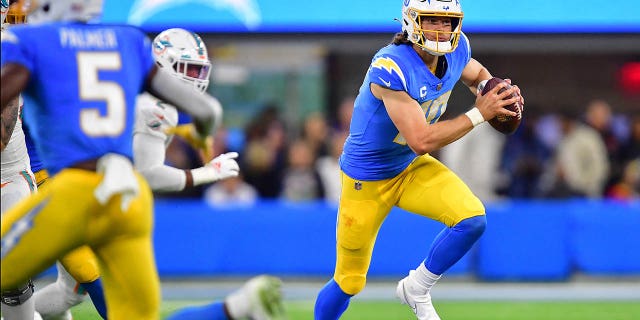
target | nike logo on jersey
[
  {"x": 4, "y": 184},
  {"x": 387, "y": 83}
]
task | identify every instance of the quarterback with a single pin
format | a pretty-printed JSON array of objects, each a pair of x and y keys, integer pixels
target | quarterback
[{"x": 386, "y": 161}]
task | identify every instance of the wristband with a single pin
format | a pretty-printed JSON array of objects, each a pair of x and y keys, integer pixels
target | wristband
[
  {"x": 203, "y": 175},
  {"x": 475, "y": 116}
]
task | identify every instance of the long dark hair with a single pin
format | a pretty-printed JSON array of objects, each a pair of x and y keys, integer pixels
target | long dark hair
[{"x": 401, "y": 38}]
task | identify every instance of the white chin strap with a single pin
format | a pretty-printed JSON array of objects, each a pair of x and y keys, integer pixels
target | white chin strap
[{"x": 437, "y": 48}]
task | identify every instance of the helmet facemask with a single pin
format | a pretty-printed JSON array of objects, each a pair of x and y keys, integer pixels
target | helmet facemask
[
  {"x": 13, "y": 12},
  {"x": 42, "y": 11},
  {"x": 196, "y": 72},
  {"x": 414, "y": 13}
]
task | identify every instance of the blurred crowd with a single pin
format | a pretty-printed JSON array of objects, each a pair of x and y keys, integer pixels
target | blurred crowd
[{"x": 591, "y": 153}]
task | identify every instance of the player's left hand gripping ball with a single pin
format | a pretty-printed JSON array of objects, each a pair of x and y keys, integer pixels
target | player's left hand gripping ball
[{"x": 502, "y": 123}]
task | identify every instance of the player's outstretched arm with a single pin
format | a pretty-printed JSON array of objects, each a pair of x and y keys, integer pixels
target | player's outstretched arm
[
  {"x": 205, "y": 109},
  {"x": 148, "y": 159},
  {"x": 149, "y": 155}
]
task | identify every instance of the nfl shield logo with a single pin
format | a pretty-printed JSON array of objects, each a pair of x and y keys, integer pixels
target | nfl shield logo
[{"x": 358, "y": 185}]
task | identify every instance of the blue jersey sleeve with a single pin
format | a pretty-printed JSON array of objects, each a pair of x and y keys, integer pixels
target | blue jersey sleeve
[
  {"x": 465, "y": 46},
  {"x": 147, "y": 57},
  {"x": 15, "y": 48},
  {"x": 386, "y": 71}
]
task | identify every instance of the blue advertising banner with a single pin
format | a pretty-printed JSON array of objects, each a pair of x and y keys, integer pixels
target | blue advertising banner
[{"x": 363, "y": 16}]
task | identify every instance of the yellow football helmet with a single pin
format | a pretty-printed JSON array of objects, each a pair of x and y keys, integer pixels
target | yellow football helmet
[{"x": 12, "y": 12}]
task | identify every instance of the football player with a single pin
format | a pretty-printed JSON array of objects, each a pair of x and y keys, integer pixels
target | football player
[
  {"x": 84, "y": 79},
  {"x": 57, "y": 296},
  {"x": 184, "y": 55},
  {"x": 386, "y": 161},
  {"x": 17, "y": 181}
]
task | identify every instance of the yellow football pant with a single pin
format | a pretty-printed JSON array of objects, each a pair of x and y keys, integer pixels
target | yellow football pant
[
  {"x": 426, "y": 187},
  {"x": 81, "y": 263},
  {"x": 41, "y": 177},
  {"x": 64, "y": 216}
]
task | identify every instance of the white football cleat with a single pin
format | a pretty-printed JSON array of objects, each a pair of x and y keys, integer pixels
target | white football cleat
[
  {"x": 420, "y": 304},
  {"x": 265, "y": 298}
]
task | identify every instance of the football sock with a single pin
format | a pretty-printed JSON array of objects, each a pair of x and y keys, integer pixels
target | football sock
[
  {"x": 95, "y": 291},
  {"x": 21, "y": 311},
  {"x": 424, "y": 278},
  {"x": 55, "y": 299},
  {"x": 452, "y": 243},
  {"x": 237, "y": 304},
  {"x": 331, "y": 302},
  {"x": 212, "y": 311}
]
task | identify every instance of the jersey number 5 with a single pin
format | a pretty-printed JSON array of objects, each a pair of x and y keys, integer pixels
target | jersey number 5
[{"x": 93, "y": 89}]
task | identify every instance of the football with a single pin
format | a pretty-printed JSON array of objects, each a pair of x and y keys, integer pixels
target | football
[{"x": 504, "y": 124}]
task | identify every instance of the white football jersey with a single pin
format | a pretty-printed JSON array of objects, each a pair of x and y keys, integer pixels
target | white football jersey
[
  {"x": 15, "y": 157},
  {"x": 154, "y": 117}
]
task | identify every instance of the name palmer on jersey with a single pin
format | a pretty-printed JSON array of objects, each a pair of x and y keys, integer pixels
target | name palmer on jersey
[
  {"x": 88, "y": 39},
  {"x": 78, "y": 39}
]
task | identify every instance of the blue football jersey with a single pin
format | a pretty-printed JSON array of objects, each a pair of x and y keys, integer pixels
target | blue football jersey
[
  {"x": 84, "y": 80},
  {"x": 375, "y": 150},
  {"x": 34, "y": 157}
]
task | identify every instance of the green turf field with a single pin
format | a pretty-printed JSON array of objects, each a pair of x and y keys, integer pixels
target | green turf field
[{"x": 390, "y": 310}]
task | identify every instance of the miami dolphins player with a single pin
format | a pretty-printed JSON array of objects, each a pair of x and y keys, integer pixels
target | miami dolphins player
[
  {"x": 17, "y": 181},
  {"x": 84, "y": 79},
  {"x": 185, "y": 56},
  {"x": 386, "y": 161}
]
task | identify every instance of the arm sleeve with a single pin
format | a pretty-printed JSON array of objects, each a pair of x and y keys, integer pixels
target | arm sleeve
[
  {"x": 204, "y": 108},
  {"x": 148, "y": 158},
  {"x": 16, "y": 50}
]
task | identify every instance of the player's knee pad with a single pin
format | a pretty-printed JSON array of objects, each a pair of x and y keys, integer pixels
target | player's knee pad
[
  {"x": 18, "y": 296},
  {"x": 473, "y": 226},
  {"x": 81, "y": 264},
  {"x": 351, "y": 284}
]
